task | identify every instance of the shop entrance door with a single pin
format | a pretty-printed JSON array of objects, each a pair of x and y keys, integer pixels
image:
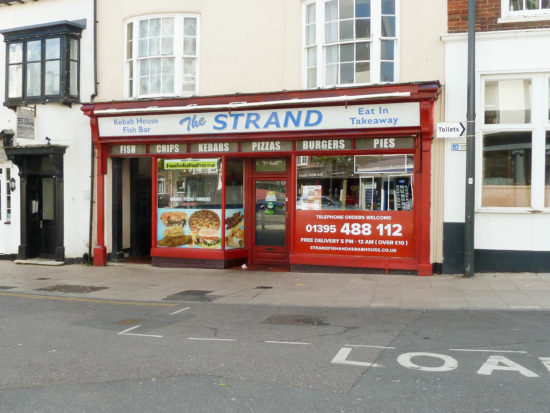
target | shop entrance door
[
  {"x": 42, "y": 222},
  {"x": 270, "y": 221}
]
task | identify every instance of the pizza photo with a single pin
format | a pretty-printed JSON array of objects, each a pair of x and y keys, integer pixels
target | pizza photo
[{"x": 203, "y": 219}]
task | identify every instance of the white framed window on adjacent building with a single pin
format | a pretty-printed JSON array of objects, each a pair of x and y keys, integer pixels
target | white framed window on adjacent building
[
  {"x": 162, "y": 56},
  {"x": 350, "y": 42},
  {"x": 520, "y": 10},
  {"x": 514, "y": 149}
]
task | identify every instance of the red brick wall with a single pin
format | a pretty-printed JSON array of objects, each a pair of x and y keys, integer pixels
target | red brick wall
[{"x": 487, "y": 14}]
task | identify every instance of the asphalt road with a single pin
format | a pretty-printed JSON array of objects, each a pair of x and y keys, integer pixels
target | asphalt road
[{"x": 207, "y": 357}]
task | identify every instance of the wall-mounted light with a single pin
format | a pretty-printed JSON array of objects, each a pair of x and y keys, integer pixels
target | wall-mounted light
[{"x": 12, "y": 184}]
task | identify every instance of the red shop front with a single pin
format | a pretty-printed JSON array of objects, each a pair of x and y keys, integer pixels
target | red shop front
[{"x": 308, "y": 179}]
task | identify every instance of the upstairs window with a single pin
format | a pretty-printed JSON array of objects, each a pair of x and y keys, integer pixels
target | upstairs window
[
  {"x": 42, "y": 63},
  {"x": 518, "y": 10},
  {"x": 350, "y": 42},
  {"x": 162, "y": 56}
]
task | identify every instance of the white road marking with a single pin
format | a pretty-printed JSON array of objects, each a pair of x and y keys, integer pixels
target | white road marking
[
  {"x": 505, "y": 364},
  {"x": 342, "y": 358},
  {"x": 211, "y": 339},
  {"x": 546, "y": 362},
  {"x": 287, "y": 342},
  {"x": 488, "y": 351},
  {"x": 449, "y": 363},
  {"x": 125, "y": 333},
  {"x": 179, "y": 311},
  {"x": 367, "y": 346}
]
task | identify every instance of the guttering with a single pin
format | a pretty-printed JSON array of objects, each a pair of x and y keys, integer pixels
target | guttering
[{"x": 241, "y": 105}]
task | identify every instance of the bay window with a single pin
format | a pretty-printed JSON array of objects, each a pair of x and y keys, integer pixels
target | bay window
[
  {"x": 516, "y": 143},
  {"x": 42, "y": 63},
  {"x": 350, "y": 42},
  {"x": 162, "y": 56}
]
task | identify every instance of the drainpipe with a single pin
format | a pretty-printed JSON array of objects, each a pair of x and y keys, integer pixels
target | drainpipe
[
  {"x": 92, "y": 163},
  {"x": 469, "y": 253}
]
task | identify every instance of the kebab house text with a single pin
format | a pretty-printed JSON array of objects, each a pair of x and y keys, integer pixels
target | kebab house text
[{"x": 328, "y": 178}]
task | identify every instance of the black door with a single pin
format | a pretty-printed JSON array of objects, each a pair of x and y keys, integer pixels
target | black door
[
  {"x": 42, "y": 222},
  {"x": 140, "y": 194}
]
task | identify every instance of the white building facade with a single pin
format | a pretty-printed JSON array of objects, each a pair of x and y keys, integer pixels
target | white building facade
[
  {"x": 47, "y": 55},
  {"x": 512, "y": 134}
]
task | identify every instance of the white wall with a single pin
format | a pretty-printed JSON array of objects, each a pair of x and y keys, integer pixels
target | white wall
[
  {"x": 512, "y": 52},
  {"x": 64, "y": 125}
]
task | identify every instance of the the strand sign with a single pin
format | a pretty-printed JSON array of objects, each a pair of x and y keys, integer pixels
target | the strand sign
[{"x": 267, "y": 120}]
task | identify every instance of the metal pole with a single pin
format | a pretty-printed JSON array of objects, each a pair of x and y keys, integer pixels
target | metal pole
[{"x": 469, "y": 257}]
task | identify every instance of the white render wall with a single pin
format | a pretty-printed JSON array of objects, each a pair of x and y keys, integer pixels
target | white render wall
[
  {"x": 64, "y": 125},
  {"x": 512, "y": 52}
]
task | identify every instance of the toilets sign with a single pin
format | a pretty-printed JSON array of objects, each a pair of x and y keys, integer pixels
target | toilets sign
[{"x": 393, "y": 115}]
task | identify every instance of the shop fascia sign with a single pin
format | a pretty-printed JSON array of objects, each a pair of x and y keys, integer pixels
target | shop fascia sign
[{"x": 392, "y": 115}]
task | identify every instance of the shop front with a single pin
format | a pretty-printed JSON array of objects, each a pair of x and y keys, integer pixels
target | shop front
[{"x": 311, "y": 180}]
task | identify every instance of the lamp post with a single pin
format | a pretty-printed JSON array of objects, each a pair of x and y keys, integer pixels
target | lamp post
[{"x": 469, "y": 253}]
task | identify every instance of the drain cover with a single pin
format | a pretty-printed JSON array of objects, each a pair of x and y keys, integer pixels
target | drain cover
[
  {"x": 193, "y": 295},
  {"x": 263, "y": 287},
  {"x": 129, "y": 322},
  {"x": 78, "y": 289},
  {"x": 5, "y": 287},
  {"x": 43, "y": 278},
  {"x": 295, "y": 320}
]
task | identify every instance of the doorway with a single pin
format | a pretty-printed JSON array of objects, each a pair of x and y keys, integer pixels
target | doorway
[
  {"x": 42, "y": 220},
  {"x": 140, "y": 207},
  {"x": 269, "y": 197}
]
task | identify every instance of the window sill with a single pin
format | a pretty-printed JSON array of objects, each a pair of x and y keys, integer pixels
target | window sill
[
  {"x": 68, "y": 101},
  {"x": 523, "y": 18},
  {"x": 511, "y": 210}
]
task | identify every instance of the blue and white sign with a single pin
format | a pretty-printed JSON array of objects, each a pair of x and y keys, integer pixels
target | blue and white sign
[{"x": 393, "y": 115}]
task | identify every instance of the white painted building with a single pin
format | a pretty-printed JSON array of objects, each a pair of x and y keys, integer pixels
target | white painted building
[
  {"x": 47, "y": 55},
  {"x": 512, "y": 133}
]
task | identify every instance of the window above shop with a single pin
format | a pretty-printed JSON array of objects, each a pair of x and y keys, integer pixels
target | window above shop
[
  {"x": 42, "y": 63},
  {"x": 518, "y": 10},
  {"x": 162, "y": 56},
  {"x": 350, "y": 42}
]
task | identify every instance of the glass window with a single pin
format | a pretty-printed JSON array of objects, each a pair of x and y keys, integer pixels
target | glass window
[
  {"x": 162, "y": 56},
  {"x": 234, "y": 204},
  {"x": 508, "y": 101},
  {"x": 42, "y": 67},
  {"x": 507, "y": 169},
  {"x": 8, "y": 195},
  {"x": 190, "y": 206},
  {"x": 270, "y": 165},
  {"x": 518, "y": 5},
  {"x": 362, "y": 182},
  {"x": 352, "y": 30}
]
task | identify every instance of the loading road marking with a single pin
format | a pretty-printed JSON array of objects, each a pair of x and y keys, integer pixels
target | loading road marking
[
  {"x": 126, "y": 333},
  {"x": 179, "y": 311},
  {"x": 88, "y": 300},
  {"x": 287, "y": 342}
]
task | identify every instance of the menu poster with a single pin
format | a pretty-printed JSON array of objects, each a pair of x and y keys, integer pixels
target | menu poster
[
  {"x": 234, "y": 228},
  {"x": 189, "y": 228},
  {"x": 311, "y": 197}
]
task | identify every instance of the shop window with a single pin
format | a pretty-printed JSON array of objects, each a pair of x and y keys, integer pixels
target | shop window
[
  {"x": 270, "y": 165},
  {"x": 234, "y": 204},
  {"x": 162, "y": 56},
  {"x": 515, "y": 132},
  {"x": 350, "y": 42},
  {"x": 362, "y": 182},
  {"x": 42, "y": 63},
  {"x": 507, "y": 169},
  {"x": 189, "y": 212}
]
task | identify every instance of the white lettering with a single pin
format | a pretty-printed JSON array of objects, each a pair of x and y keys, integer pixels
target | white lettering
[
  {"x": 342, "y": 355},
  {"x": 504, "y": 364},
  {"x": 449, "y": 363}
]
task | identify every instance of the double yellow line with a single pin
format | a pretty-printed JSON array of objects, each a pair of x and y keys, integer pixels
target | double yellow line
[{"x": 88, "y": 300}]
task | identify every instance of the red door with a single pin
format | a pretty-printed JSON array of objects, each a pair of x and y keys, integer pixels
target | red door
[{"x": 270, "y": 232}]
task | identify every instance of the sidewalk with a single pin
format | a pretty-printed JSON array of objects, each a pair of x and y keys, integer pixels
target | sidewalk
[{"x": 141, "y": 282}]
